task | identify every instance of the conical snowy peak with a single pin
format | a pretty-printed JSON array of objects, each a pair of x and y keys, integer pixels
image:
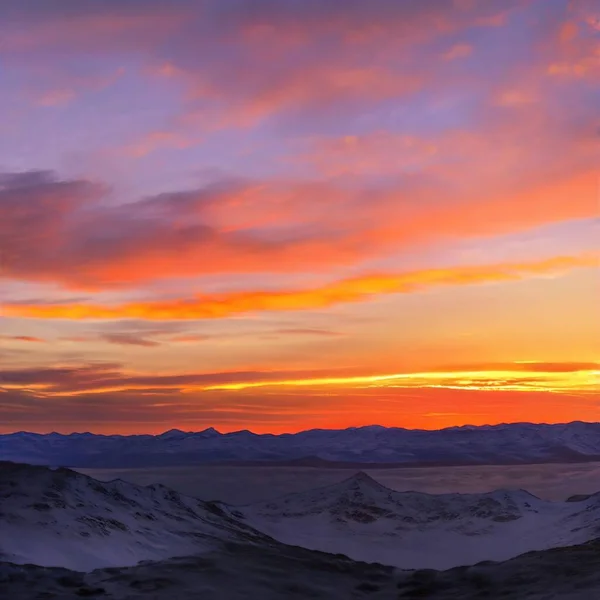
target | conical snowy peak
[
  {"x": 173, "y": 434},
  {"x": 359, "y": 498},
  {"x": 210, "y": 432},
  {"x": 362, "y": 480},
  {"x": 360, "y": 489}
]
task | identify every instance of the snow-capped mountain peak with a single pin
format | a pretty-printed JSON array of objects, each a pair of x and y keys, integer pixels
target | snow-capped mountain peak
[
  {"x": 209, "y": 432},
  {"x": 362, "y": 478},
  {"x": 360, "y": 484},
  {"x": 173, "y": 434}
]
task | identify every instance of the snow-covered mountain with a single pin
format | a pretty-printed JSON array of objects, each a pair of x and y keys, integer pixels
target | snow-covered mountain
[
  {"x": 500, "y": 444},
  {"x": 65, "y": 519},
  {"x": 367, "y": 521},
  {"x": 285, "y": 547}
]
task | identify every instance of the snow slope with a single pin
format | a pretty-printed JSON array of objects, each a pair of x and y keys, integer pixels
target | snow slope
[
  {"x": 369, "y": 522},
  {"x": 59, "y": 518},
  {"x": 62, "y": 518},
  {"x": 500, "y": 444}
]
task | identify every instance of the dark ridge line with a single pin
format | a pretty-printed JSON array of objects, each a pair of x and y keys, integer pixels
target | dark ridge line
[{"x": 214, "y": 432}]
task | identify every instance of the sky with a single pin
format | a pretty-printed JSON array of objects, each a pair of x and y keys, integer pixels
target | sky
[{"x": 278, "y": 215}]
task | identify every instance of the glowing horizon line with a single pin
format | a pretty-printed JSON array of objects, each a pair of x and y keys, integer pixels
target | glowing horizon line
[
  {"x": 581, "y": 380},
  {"x": 501, "y": 374}
]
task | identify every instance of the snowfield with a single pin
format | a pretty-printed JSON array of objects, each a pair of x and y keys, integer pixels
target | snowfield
[
  {"x": 66, "y": 535},
  {"x": 59, "y": 518},
  {"x": 369, "y": 522}
]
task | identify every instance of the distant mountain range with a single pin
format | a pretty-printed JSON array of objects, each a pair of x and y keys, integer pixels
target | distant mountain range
[{"x": 517, "y": 443}]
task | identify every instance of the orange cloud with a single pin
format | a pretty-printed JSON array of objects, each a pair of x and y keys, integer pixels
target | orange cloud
[
  {"x": 216, "y": 306},
  {"x": 22, "y": 338},
  {"x": 497, "y": 215},
  {"x": 244, "y": 227}
]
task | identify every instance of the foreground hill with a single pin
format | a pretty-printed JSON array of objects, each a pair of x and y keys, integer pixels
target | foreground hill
[
  {"x": 276, "y": 571},
  {"x": 60, "y": 518},
  {"x": 517, "y": 443}
]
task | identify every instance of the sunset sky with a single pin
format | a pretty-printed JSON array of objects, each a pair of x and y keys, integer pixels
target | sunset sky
[{"x": 284, "y": 214}]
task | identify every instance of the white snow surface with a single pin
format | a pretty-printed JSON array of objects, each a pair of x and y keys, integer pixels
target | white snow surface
[
  {"x": 56, "y": 517},
  {"x": 367, "y": 521}
]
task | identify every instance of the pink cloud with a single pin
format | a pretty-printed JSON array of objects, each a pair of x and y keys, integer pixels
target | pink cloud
[
  {"x": 361, "y": 54},
  {"x": 458, "y": 51},
  {"x": 156, "y": 140}
]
